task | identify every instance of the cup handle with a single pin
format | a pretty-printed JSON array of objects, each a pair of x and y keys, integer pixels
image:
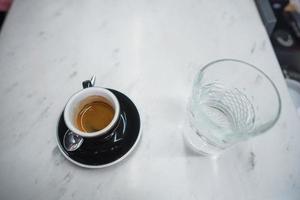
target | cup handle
[{"x": 89, "y": 83}]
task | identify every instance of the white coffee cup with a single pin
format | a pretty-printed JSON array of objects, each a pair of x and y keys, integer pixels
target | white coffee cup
[{"x": 79, "y": 99}]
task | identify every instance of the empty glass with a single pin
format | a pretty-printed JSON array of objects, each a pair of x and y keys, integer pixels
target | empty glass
[{"x": 231, "y": 101}]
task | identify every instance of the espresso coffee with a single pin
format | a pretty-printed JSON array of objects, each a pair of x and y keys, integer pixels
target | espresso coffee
[{"x": 94, "y": 116}]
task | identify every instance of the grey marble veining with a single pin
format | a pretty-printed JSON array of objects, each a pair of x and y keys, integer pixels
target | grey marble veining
[{"x": 150, "y": 50}]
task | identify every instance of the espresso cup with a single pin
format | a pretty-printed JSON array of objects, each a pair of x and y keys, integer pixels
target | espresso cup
[{"x": 84, "y": 97}]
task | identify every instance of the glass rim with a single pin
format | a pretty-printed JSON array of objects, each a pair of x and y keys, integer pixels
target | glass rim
[{"x": 272, "y": 122}]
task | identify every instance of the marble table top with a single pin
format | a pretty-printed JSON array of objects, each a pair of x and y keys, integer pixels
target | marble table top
[{"x": 151, "y": 51}]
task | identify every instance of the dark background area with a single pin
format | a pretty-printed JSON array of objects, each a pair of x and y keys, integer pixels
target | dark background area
[
  {"x": 282, "y": 21},
  {"x": 4, "y": 8},
  {"x": 2, "y": 17}
]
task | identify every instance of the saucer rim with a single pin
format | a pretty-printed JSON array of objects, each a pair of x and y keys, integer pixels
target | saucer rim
[
  {"x": 105, "y": 165},
  {"x": 108, "y": 164}
]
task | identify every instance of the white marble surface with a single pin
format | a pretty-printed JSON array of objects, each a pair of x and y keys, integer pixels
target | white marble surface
[{"x": 149, "y": 50}]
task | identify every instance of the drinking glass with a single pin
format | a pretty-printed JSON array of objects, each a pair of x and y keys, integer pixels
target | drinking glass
[{"x": 231, "y": 101}]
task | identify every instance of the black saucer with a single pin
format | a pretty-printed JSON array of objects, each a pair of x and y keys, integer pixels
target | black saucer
[{"x": 94, "y": 153}]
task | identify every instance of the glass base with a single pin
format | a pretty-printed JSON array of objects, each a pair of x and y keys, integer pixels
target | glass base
[{"x": 199, "y": 144}]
